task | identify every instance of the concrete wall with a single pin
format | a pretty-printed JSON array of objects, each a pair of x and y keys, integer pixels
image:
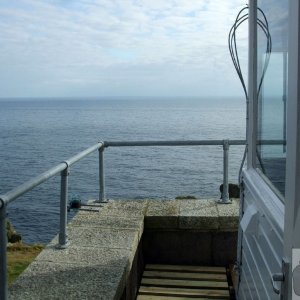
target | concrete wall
[{"x": 189, "y": 247}]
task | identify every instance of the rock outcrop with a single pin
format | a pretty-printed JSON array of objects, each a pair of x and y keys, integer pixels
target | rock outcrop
[
  {"x": 12, "y": 235},
  {"x": 233, "y": 190}
]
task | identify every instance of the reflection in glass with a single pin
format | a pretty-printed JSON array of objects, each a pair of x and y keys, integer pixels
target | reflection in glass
[{"x": 271, "y": 130}]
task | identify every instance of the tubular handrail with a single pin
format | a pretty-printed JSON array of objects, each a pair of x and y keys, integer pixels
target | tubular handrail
[
  {"x": 29, "y": 185},
  {"x": 63, "y": 169},
  {"x": 172, "y": 143},
  {"x": 32, "y": 183},
  {"x": 6, "y": 198},
  {"x": 84, "y": 153}
]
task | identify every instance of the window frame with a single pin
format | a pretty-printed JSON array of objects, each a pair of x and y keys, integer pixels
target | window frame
[{"x": 253, "y": 105}]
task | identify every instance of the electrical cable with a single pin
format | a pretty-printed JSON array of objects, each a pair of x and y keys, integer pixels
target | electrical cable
[{"x": 241, "y": 17}]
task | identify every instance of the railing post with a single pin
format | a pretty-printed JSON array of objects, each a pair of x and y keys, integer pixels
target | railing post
[
  {"x": 63, "y": 238},
  {"x": 225, "y": 194},
  {"x": 101, "y": 176},
  {"x": 3, "y": 249}
]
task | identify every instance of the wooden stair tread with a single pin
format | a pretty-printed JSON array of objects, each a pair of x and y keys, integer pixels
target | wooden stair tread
[
  {"x": 163, "y": 291},
  {"x": 151, "y": 297},
  {"x": 185, "y": 283},
  {"x": 179, "y": 268},
  {"x": 177, "y": 282},
  {"x": 184, "y": 275}
]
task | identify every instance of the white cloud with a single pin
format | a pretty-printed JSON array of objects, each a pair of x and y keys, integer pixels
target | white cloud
[{"x": 80, "y": 41}]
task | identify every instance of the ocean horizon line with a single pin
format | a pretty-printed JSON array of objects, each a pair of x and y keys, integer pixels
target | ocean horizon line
[{"x": 114, "y": 98}]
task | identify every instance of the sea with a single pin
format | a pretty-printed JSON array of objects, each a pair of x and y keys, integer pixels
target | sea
[{"x": 36, "y": 134}]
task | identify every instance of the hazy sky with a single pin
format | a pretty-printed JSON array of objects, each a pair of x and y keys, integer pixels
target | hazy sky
[{"x": 118, "y": 48}]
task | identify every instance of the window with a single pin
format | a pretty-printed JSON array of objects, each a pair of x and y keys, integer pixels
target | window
[{"x": 272, "y": 91}]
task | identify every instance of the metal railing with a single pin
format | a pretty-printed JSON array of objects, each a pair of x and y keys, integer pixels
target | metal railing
[{"x": 64, "y": 167}]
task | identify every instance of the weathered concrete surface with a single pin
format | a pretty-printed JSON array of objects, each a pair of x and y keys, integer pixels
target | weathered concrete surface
[
  {"x": 204, "y": 214},
  {"x": 44, "y": 280},
  {"x": 104, "y": 261},
  {"x": 162, "y": 214},
  {"x": 195, "y": 214},
  {"x": 227, "y": 215},
  {"x": 91, "y": 256}
]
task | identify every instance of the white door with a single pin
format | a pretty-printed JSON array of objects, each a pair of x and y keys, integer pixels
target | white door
[{"x": 262, "y": 258}]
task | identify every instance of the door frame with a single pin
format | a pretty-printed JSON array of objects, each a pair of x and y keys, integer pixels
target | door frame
[{"x": 292, "y": 198}]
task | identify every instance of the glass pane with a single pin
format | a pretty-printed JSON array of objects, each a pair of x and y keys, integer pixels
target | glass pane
[{"x": 272, "y": 90}]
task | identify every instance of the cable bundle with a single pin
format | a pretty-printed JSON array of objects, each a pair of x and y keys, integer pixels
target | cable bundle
[
  {"x": 242, "y": 16},
  {"x": 264, "y": 25}
]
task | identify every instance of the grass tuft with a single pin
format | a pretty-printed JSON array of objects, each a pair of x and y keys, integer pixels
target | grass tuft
[{"x": 19, "y": 256}]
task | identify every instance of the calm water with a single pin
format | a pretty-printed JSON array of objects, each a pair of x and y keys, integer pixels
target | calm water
[{"x": 37, "y": 134}]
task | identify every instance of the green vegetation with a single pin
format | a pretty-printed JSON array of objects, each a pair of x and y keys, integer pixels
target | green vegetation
[
  {"x": 183, "y": 197},
  {"x": 19, "y": 256}
]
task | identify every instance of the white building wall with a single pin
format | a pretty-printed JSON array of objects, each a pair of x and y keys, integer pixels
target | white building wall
[{"x": 261, "y": 241}]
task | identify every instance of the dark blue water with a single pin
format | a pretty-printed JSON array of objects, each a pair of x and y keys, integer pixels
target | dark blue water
[{"x": 37, "y": 134}]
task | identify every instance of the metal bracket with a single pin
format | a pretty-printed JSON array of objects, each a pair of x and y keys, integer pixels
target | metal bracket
[
  {"x": 282, "y": 278},
  {"x": 102, "y": 201},
  {"x": 63, "y": 246},
  {"x": 275, "y": 278},
  {"x": 220, "y": 201}
]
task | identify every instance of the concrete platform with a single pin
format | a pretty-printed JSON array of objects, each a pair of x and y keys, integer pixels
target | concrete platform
[{"x": 105, "y": 252}]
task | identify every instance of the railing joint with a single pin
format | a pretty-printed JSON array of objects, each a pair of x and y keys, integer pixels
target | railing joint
[
  {"x": 65, "y": 172},
  {"x": 2, "y": 202},
  {"x": 3, "y": 208},
  {"x": 226, "y": 144},
  {"x": 67, "y": 165}
]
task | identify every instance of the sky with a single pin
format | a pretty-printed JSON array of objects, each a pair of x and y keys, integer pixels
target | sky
[{"x": 99, "y": 48}]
